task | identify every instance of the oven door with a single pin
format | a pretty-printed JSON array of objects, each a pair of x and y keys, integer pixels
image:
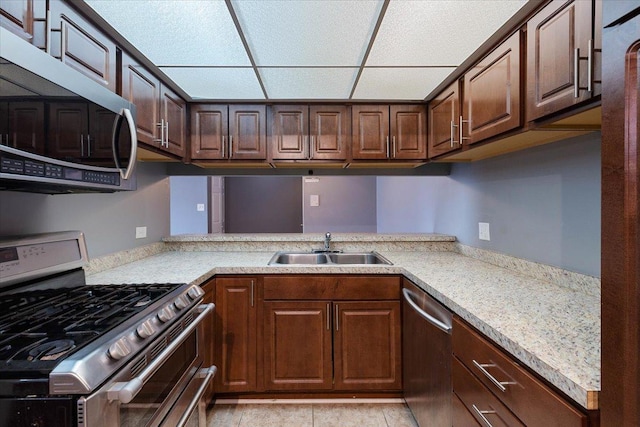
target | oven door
[{"x": 144, "y": 392}]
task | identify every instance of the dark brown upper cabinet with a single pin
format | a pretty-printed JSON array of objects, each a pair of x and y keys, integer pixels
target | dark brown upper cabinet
[
  {"x": 209, "y": 131},
  {"x": 444, "y": 118},
  {"x": 492, "y": 94},
  {"x": 26, "y": 19},
  {"x": 81, "y": 45},
  {"x": 247, "y": 132},
  {"x": 160, "y": 113},
  {"x": 303, "y": 132},
  {"x": 388, "y": 132},
  {"x": 68, "y": 129},
  {"x": 563, "y": 57}
]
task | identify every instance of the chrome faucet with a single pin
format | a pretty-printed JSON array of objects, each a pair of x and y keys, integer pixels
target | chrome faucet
[{"x": 327, "y": 241}]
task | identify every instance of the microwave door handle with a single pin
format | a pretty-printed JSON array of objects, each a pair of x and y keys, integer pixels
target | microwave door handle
[
  {"x": 125, "y": 392},
  {"x": 126, "y": 113}
]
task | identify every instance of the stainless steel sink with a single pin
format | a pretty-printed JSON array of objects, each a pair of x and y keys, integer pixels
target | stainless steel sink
[{"x": 327, "y": 258}]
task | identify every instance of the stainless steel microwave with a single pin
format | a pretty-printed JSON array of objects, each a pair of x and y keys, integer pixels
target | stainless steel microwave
[{"x": 60, "y": 131}]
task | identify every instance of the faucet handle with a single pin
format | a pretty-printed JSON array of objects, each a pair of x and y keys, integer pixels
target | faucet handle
[{"x": 327, "y": 235}]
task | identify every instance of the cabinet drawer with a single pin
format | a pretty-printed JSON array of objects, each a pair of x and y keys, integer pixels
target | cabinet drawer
[
  {"x": 480, "y": 401},
  {"x": 460, "y": 416},
  {"x": 332, "y": 287},
  {"x": 531, "y": 400}
]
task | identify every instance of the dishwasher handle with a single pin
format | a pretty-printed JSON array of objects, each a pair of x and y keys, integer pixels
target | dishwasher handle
[{"x": 426, "y": 316}]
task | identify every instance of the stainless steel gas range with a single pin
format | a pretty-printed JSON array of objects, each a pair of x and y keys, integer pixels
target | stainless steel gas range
[{"x": 82, "y": 355}]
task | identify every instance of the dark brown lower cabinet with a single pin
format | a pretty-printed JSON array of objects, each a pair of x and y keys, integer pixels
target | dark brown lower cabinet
[
  {"x": 235, "y": 334},
  {"x": 297, "y": 345},
  {"x": 460, "y": 416}
]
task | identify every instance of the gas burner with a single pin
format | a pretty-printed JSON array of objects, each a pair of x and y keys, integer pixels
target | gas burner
[{"x": 51, "y": 350}]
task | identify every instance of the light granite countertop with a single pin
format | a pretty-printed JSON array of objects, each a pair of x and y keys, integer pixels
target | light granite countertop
[{"x": 554, "y": 330}]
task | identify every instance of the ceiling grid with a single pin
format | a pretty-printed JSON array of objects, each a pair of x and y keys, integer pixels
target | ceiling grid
[{"x": 279, "y": 50}]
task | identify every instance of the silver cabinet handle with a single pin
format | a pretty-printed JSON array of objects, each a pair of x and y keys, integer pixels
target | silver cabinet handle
[
  {"x": 452, "y": 140},
  {"x": 230, "y": 146},
  {"x": 590, "y": 66},
  {"x": 306, "y": 146},
  {"x": 429, "y": 318},
  {"x": 482, "y": 413},
  {"x": 208, "y": 374},
  {"x": 387, "y": 146},
  {"x": 161, "y": 139},
  {"x": 482, "y": 367},
  {"x": 576, "y": 65},
  {"x": 393, "y": 146},
  {"x": 88, "y": 145},
  {"x": 223, "y": 146},
  {"x": 251, "y": 293},
  {"x": 460, "y": 129},
  {"x": 337, "y": 318},
  {"x": 312, "y": 146},
  {"x": 81, "y": 145},
  {"x": 328, "y": 316},
  {"x": 166, "y": 140},
  {"x": 125, "y": 392}
]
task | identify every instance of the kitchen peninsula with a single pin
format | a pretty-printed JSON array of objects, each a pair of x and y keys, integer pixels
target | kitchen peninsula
[{"x": 546, "y": 318}]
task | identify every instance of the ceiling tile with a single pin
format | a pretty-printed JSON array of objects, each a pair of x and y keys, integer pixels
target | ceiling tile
[
  {"x": 186, "y": 32},
  {"x": 217, "y": 83},
  {"x": 399, "y": 83},
  {"x": 309, "y": 32},
  {"x": 437, "y": 32},
  {"x": 308, "y": 83}
]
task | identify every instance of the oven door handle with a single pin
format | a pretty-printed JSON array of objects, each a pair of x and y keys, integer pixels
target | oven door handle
[
  {"x": 208, "y": 373},
  {"x": 125, "y": 392}
]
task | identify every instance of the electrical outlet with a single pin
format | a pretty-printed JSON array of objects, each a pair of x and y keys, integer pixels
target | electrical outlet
[
  {"x": 141, "y": 232},
  {"x": 200, "y": 207},
  {"x": 314, "y": 200},
  {"x": 483, "y": 231}
]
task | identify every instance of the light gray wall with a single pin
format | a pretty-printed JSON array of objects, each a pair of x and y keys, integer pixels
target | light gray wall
[
  {"x": 347, "y": 204},
  {"x": 186, "y": 192},
  {"x": 108, "y": 220},
  {"x": 542, "y": 204}
]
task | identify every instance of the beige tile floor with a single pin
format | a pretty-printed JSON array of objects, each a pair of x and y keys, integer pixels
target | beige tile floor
[{"x": 325, "y": 414}]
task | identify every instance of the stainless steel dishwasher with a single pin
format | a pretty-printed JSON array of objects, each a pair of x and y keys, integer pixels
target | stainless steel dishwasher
[{"x": 426, "y": 349}]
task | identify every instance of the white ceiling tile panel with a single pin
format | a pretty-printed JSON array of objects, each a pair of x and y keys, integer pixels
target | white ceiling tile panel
[
  {"x": 308, "y": 83},
  {"x": 399, "y": 83},
  {"x": 217, "y": 83},
  {"x": 437, "y": 32},
  {"x": 309, "y": 32},
  {"x": 181, "y": 32}
]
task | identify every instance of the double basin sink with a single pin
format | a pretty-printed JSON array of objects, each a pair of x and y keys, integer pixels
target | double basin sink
[{"x": 328, "y": 258}]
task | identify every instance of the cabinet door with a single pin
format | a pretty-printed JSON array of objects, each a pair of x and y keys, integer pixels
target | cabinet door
[
  {"x": 408, "y": 132},
  {"x": 209, "y": 130},
  {"x": 492, "y": 94},
  {"x": 367, "y": 354},
  {"x": 444, "y": 113},
  {"x": 554, "y": 36},
  {"x": 68, "y": 130},
  {"x": 329, "y": 132},
  {"x": 82, "y": 46},
  {"x": 142, "y": 89},
  {"x": 248, "y": 132},
  {"x": 461, "y": 417},
  {"x": 174, "y": 111},
  {"x": 370, "y": 132},
  {"x": 297, "y": 345},
  {"x": 25, "y": 126},
  {"x": 289, "y": 131},
  {"x": 235, "y": 335}
]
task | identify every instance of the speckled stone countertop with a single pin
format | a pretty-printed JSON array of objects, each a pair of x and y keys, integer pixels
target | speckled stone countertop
[{"x": 554, "y": 330}]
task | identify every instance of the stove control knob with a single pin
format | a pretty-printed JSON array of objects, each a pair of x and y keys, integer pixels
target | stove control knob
[
  {"x": 195, "y": 292},
  {"x": 145, "y": 329},
  {"x": 181, "y": 302},
  {"x": 119, "y": 349},
  {"x": 165, "y": 315}
]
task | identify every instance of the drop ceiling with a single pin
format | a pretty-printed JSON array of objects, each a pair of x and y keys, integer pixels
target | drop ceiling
[{"x": 307, "y": 49}]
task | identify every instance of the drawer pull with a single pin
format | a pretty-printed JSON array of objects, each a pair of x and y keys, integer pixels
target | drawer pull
[
  {"x": 482, "y": 413},
  {"x": 499, "y": 384}
]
